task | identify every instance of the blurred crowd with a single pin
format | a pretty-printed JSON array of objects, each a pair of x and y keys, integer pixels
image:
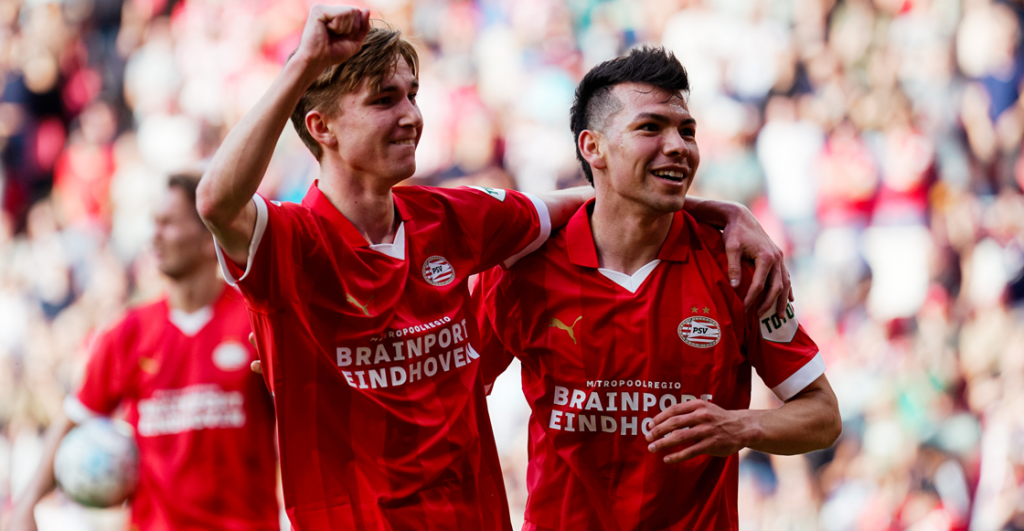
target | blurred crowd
[{"x": 878, "y": 141}]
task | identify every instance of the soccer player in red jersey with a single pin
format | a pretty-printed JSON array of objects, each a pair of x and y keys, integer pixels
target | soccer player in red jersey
[
  {"x": 358, "y": 296},
  {"x": 636, "y": 350},
  {"x": 179, "y": 368}
]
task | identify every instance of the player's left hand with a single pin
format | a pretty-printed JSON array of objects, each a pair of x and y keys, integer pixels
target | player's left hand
[
  {"x": 701, "y": 428},
  {"x": 255, "y": 366},
  {"x": 745, "y": 238}
]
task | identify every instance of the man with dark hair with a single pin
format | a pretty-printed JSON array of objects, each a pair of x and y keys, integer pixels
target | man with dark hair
[
  {"x": 358, "y": 296},
  {"x": 179, "y": 368},
  {"x": 636, "y": 350}
]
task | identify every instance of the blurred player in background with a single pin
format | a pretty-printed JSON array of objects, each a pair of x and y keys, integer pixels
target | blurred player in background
[
  {"x": 179, "y": 368},
  {"x": 636, "y": 350},
  {"x": 358, "y": 295}
]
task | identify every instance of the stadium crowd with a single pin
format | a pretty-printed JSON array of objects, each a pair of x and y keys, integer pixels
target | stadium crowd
[{"x": 878, "y": 141}]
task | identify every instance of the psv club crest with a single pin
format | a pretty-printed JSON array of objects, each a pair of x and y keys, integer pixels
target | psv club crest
[
  {"x": 699, "y": 331},
  {"x": 438, "y": 271}
]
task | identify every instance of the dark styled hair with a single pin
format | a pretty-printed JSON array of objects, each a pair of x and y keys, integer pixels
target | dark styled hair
[
  {"x": 594, "y": 100},
  {"x": 376, "y": 61},
  {"x": 187, "y": 183}
]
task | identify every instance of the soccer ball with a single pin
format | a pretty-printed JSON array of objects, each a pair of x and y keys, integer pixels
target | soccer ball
[{"x": 97, "y": 463}]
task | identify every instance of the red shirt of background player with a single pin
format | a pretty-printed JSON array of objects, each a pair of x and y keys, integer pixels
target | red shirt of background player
[
  {"x": 603, "y": 353},
  {"x": 203, "y": 421},
  {"x": 372, "y": 354}
]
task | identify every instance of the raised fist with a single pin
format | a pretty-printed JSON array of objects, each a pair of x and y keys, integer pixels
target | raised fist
[{"x": 332, "y": 35}]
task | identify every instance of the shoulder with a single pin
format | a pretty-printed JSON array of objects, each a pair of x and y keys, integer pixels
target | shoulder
[
  {"x": 432, "y": 197},
  {"x": 135, "y": 320}
]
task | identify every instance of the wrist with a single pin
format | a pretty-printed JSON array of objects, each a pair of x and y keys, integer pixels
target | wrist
[
  {"x": 754, "y": 434},
  {"x": 303, "y": 69}
]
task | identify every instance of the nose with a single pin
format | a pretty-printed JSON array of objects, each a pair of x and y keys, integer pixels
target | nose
[
  {"x": 675, "y": 145},
  {"x": 411, "y": 115}
]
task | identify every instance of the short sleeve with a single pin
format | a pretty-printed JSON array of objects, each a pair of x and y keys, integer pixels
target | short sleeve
[
  {"x": 785, "y": 357},
  {"x": 494, "y": 357},
  {"x": 278, "y": 252},
  {"x": 501, "y": 226},
  {"x": 106, "y": 376}
]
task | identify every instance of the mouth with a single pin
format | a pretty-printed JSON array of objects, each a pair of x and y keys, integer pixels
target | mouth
[
  {"x": 408, "y": 142},
  {"x": 672, "y": 176}
]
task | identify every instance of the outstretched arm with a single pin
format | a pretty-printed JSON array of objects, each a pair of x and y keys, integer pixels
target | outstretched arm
[
  {"x": 745, "y": 238},
  {"x": 809, "y": 421},
  {"x": 332, "y": 35},
  {"x": 42, "y": 482}
]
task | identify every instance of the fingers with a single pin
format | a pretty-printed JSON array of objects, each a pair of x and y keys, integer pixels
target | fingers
[
  {"x": 698, "y": 448},
  {"x": 733, "y": 255},
  {"x": 341, "y": 20},
  {"x": 252, "y": 339},
  {"x": 762, "y": 267},
  {"x": 256, "y": 367},
  {"x": 677, "y": 410},
  {"x": 775, "y": 290}
]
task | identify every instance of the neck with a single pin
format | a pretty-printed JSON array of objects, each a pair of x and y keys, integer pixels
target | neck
[
  {"x": 627, "y": 236},
  {"x": 196, "y": 290},
  {"x": 365, "y": 202}
]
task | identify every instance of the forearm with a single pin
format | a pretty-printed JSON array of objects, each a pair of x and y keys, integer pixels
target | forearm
[
  {"x": 714, "y": 213},
  {"x": 804, "y": 424},
  {"x": 43, "y": 482},
  {"x": 562, "y": 204},
  {"x": 239, "y": 164}
]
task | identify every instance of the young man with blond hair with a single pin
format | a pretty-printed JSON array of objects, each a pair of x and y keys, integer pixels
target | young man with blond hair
[{"x": 358, "y": 296}]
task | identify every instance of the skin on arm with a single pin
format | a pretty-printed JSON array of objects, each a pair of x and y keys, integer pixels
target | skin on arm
[
  {"x": 42, "y": 482},
  {"x": 332, "y": 35},
  {"x": 809, "y": 421}
]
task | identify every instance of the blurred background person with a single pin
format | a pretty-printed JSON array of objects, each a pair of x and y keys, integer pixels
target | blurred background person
[
  {"x": 878, "y": 141},
  {"x": 177, "y": 369}
]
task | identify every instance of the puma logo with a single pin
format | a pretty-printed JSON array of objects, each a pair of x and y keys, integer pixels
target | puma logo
[
  {"x": 356, "y": 303},
  {"x": 556, "y": 323}
]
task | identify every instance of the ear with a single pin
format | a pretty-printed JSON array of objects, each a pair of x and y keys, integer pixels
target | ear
[
  {"x": 316, "y": 124},
  {"x": 591, "y": 146}
]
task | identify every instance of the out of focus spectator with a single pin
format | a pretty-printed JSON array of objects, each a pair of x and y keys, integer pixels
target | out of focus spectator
[{"x": 878, "y": 140}]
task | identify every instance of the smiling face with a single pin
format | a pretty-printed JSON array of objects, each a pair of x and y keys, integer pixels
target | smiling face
[
  {"x": 646, "y": 151},
  {"x": 376, "y": 131}
]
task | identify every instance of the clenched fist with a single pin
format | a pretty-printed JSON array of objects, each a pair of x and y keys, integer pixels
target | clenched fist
[{"x": 332, "y": 35}]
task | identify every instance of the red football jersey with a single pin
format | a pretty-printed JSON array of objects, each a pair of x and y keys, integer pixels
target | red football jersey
[
  {"x": 373, "y": 359},
  {"x": 603, "y": 353},
  {"x": 204, "y": 423}
]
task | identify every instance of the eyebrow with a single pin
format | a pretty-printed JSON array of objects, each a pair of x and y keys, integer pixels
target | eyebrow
[
  {"x": 660, "y": 118},
  {"x": 394, "y": 88}
]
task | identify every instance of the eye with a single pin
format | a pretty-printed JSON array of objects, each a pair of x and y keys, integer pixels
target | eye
[
  {"x": 412, "y": 97},
  {"x": 648, "y": 127},
  {"x": 386, "y": 100},
  {"x": 688, "y": 131}
]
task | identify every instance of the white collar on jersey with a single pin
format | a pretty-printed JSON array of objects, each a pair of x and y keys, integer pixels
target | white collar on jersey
[
  {"x": 630, "y": 282},
  {"x": 395, "y": 249},
  {"x": 191, "y": 323}
]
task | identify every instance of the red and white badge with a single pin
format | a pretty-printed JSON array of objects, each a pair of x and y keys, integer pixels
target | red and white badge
[
  {"x": 699, "y": 331},
  {"x": 438, "y": 271}
]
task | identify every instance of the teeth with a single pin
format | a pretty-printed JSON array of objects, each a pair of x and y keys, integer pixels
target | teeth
[
  {"x": 405, "y": 142},
  {"x": 669, "y": 174}
]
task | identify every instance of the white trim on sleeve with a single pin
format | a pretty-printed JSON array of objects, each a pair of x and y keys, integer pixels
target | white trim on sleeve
[
  {"x": 254, "y": 243},
  {"x": 77, "y": 411},
  {"x": 545, "y": 230},
  {"x": 800, "y": 379}
]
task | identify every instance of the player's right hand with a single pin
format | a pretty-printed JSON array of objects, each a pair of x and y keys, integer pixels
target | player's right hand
[{"x": 332, "y": 35}]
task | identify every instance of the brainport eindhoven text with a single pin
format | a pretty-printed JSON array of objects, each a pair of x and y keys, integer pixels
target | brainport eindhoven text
[
  {"x": 440, "y": 351},
  {"x": 613, "y": 402}
]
